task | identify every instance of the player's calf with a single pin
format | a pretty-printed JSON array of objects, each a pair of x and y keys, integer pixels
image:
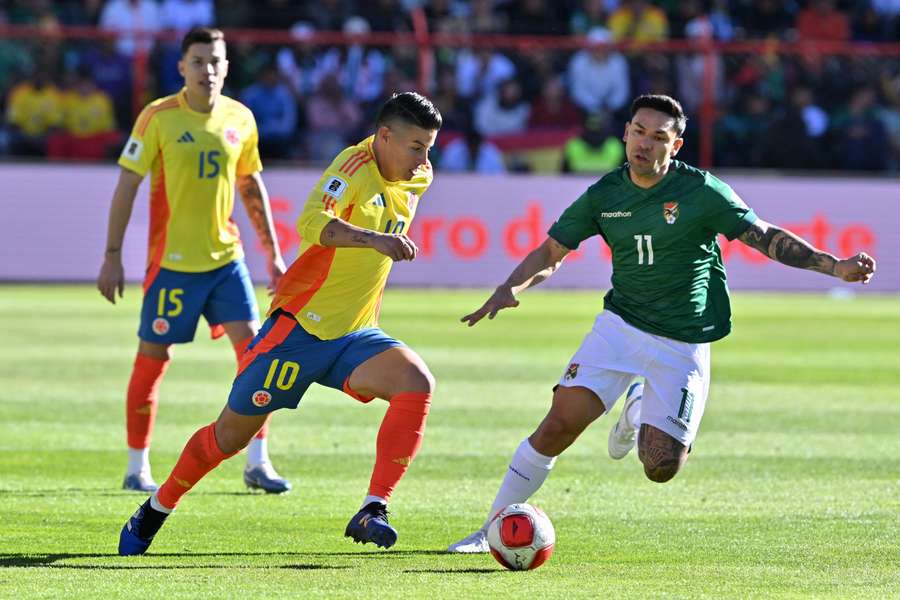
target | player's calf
[{"x": 661, "y": 454}]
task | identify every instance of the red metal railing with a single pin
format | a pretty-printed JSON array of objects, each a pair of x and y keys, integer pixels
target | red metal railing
[{"x": 426, "y": 41}]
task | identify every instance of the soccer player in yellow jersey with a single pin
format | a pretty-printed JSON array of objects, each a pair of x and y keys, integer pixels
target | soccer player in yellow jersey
[
  {"x": 322, "y": 324},
  {"x": 195, "y": 144}
]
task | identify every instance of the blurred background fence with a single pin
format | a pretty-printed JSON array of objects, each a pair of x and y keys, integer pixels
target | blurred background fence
[{"x": 524, "y": 85}]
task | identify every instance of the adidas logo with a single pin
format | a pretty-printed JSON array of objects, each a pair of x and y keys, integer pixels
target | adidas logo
[
  {"x": 186, "y": 137},
  {"x": 379, "y": 201}
]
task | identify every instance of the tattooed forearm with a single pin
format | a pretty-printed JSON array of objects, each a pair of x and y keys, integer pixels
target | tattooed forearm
[
  {"x": 256, "y": 201},
  {"x": 363, "y": 237},
  {"x": 787, "y": 248},
  {"x": 661, "y": 454}
]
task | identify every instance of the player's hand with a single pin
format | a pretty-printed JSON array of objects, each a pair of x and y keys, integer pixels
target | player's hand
[
  {"x": 111, "y": 278},
  {"x": 277, "y": 269},
  {"x": 396, "y": 247},
  {"x": 502, "y": 297},
  {"x": 856, "y": 268}
]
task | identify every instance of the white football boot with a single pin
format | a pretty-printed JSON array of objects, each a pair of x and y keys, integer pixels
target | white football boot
[
  {"x": 473, "y": 544},
  {"x": 623, "y": 434}
]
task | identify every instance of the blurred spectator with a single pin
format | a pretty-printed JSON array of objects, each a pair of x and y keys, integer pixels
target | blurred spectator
[
  {"x": 384, "y": 15},
  {"x": 765, "y": 18},
  {"x": 231, "y": 14},
  {"x": 15, "y": 58},
  {"x": 275, "y": 110},
  {"x": 598, "y": 77},
  {"x": 502, "y": 112},
  {"x": 362, "y": 71},
  {"x": 741, "y": 131},
  {"x": 34, "y": 108},
  {"x": 446, "y": 16},
  {"x": 639, "y": 21},
  {"x": 790, "y": 143},
  {"x": 39, "y": 13},
  {"x": 182, "y": 15},
  {"x": 536, "y": 17},
  {"x": 332, "y": 120},
  {"x": 890, "y": 116},
  {"x": 553, "y": 108},
  {"x": 455, "y": 112},
  {"x": 484, "y": 19},
  {"x": 79, "y": 12},
  {"x": 89, "y": 126},
  {"x": 112, "y": 73},
  {"x": 861, "y": 140},
  {"x": 471, "y": 152},
  {"x": 821, "y": 21},
  {"x": 590, "y": 14},
  {"x": 325, "y": 15},
  {"x": 596, "y": 149},
  {"x": 281, "y": 14},
  {"x": 303, "y": 64},
  {"x": 691, "y": 69},
  {"x": 127, "y": 17},
  {"x": 480, "y": 71}
]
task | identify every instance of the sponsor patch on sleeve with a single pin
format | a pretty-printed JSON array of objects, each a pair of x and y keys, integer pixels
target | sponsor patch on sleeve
[
  {"x": 335, "y": 186},
  {"x": 133, "y": 149}
]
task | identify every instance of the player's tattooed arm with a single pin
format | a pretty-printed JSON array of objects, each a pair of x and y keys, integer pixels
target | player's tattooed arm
[
  {"x": 341, "y": 234},
  {"x": 788, "y": 248},
  {"x": 256, "y": 201}
]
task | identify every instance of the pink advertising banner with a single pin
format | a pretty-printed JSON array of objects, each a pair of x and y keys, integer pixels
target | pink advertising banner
[{"x": 471, "y": 230}]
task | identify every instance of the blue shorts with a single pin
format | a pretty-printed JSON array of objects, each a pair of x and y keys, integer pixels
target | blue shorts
[
  {"x": 175, "y": 300},
  {"x": 284, "y": 359}
]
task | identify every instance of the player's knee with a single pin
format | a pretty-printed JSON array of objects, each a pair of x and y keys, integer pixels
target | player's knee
[
  {"x": 554, "y": 431},
  {"x": 416, "y": 377},
  {"x": 661, "y": 454}
]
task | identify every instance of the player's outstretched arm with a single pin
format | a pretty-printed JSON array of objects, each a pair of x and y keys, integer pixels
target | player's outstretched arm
[
  {"x": 256, "y": 201},
  {"x": 341, "y": 234},
  {"x": 792, "y": 250},
  {"x": 535, "y": 268},
  {"x": 112, "y": 275}
]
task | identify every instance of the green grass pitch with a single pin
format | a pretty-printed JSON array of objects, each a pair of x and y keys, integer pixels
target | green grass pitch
[{"x": 793, "y": 488}]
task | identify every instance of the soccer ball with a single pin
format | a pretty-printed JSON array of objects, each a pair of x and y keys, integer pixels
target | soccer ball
[{"x": 521, "y": 537}]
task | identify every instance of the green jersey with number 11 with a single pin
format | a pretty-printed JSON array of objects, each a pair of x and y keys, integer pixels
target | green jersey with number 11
[{"x": 667, "y": 277}]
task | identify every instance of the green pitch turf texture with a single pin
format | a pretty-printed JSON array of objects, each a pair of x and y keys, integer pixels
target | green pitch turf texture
[{"x": 793, "y": 488}]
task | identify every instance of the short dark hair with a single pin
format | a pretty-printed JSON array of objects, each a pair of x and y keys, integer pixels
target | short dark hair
[
  {"x": 664, "y": 104},
  {"x": 411, "y": 108},
  {"x": 201, "y": 35}
]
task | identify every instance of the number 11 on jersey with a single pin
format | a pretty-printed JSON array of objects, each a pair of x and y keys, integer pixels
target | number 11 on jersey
[{"x": 641, "y": 239}]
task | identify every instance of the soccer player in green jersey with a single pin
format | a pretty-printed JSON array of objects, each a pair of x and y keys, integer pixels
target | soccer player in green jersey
[{"x": 668, "y": 301}]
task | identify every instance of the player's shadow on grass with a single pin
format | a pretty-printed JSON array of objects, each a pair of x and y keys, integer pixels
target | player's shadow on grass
[
  {"x": 43, "y": 561},
  {"x": 450, "y": 571}
]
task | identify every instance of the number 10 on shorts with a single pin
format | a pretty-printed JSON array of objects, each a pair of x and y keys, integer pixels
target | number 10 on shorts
[{"x": 287, "y": 375}]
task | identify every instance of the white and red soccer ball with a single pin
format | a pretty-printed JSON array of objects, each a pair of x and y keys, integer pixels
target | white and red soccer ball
[{"x": 521, "y": 537}]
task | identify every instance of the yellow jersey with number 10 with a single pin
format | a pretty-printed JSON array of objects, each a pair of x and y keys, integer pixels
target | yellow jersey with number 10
[
  {"x": 335, "y": 291},
  {"x": 193, "y": 159}
]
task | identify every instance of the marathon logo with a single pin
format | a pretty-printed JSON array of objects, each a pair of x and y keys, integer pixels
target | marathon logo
[{"x": 616, "y": 215}]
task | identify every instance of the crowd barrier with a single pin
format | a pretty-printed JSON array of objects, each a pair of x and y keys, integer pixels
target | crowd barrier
[{"x": 471, "y": 230}]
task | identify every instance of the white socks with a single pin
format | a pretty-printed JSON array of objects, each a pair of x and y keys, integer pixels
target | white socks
[
  {"x": 138, "y": 461},
  {"x": 526, "y": 474},
  {"x": 257, "y": 452},
  {"x": 155, "y": 505},
  {"x": 634, "y": 415},
  {"x": 371, "y": 499}
]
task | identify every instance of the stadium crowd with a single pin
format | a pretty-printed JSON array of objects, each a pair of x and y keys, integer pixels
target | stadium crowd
[{"x": 802, "y": 110}]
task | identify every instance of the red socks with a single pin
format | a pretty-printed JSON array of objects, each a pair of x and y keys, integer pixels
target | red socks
[
  {"x": 143, "y": 395},
  {"x": 399, "y": 440},
  {"x": 200, "y": 456}
]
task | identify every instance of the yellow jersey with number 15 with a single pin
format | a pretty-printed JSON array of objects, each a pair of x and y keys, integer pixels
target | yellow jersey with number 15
[
  {"x": 335, "y": 291},
  {"x": 193, "y": 159}
]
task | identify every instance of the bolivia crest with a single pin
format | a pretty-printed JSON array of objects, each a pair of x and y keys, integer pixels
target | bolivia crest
[
  {"x": 670, "y": 212},
  {"x": 572, "y": 372}
]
